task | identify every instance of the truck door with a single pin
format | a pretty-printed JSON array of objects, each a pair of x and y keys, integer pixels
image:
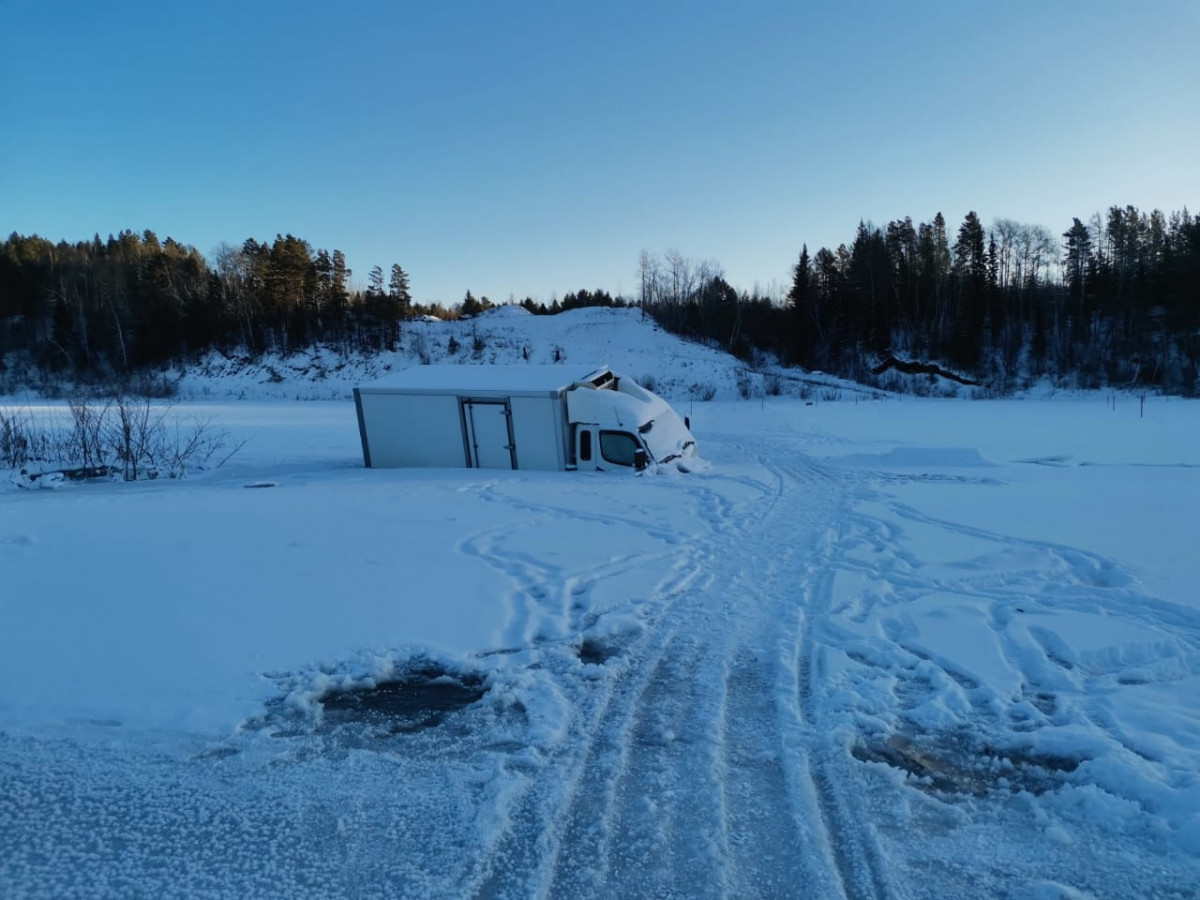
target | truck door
[
  {"x": 603, "y": 450},
  {"x": 585, "y": 448},
  {"x": 489, "y": 434}
]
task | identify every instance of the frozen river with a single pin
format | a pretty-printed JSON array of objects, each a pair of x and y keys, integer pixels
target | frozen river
[{"x": 921, "y": 649}]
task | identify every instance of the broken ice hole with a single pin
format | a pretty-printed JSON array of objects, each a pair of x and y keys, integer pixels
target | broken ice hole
[
  {"x": 949, "y": 764},
  {"x": 596, "y": 653},
  {"x": 419, "y": 699}
]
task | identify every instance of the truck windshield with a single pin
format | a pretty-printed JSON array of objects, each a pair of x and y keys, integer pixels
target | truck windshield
[{"x": 618, "y": 447}]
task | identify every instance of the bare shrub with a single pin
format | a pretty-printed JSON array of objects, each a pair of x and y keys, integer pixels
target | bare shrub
[
  {"x": 649, "y": 383},
  {"x": 141, "y": 439},
  {"x": 137, "y": 437},
  {"x": 15, "y": 440},
  {"x": 133, "y": 433},
  {"x": 86, "y": 441},
  {"x": 23, "y": 440},
  {"x": 193, "y": 447}
]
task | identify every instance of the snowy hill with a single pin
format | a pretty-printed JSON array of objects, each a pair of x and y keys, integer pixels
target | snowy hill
[{"x": 624, "y": 339}]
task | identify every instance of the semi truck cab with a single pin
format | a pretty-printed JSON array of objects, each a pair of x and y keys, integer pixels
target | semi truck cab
[{"x": 618, "y": 424}]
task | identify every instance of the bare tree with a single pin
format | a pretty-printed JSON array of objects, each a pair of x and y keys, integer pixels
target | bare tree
[
  {"x": 650, "y": 272},
  {"x": 1005, "y": 232},
  {"x": 677, "y": 274}
]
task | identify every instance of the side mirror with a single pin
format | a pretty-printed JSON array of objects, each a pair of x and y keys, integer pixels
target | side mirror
[
  {"x": 640, "y": 460},
  {"x": 687, "y": 422}
]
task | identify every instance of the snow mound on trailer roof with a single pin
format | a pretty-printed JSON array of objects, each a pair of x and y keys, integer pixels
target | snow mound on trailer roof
[{"x": 501, "y": 378}]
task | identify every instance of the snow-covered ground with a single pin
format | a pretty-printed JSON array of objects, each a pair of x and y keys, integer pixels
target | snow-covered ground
[{"x": 879, "y": 648}]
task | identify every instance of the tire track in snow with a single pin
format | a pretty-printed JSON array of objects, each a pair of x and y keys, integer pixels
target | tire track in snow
[
  {"x": 854, "y": 855},
  {"x": 565, "y": 814},
  {"x": 695, "y": 769},
  {"x": 658, "y": 794},
  {"x": 562, "y": 840},
  {"x": 761, "y": 824},
  {"x": 518, "y": 863},
  {"x": 768, "y": 793},
  {"x": 647, "y": 824}
]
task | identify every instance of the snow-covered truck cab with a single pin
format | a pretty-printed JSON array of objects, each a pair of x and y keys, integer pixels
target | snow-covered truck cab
[
  {"x": 517, "y": 417},
  {"x": 618, "y": 424}
]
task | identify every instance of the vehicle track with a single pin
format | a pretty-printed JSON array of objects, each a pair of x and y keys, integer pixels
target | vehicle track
[
  {"x": 563, "y": 815},
  {"x": 852, "y": 851},
  {"x": 660, "y": 757},
  {"x": 698, "y": 769}
]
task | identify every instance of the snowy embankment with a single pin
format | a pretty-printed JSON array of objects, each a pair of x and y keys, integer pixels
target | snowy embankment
[
  {"x": 622, "y": 338},
  {"x": 913, "y": 649}
]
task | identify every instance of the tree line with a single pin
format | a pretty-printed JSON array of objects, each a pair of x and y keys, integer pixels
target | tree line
[
  {"x": 1114, "y": 301},
  {"x": 104, "y": 308}
]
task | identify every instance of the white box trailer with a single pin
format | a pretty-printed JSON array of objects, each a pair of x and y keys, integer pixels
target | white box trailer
[{"x": 516, "y": 417}]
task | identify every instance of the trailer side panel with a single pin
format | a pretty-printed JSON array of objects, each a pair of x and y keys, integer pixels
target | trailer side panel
[
  {"x": 412, "y": 430},
  {"x": 540, "y": 430}
]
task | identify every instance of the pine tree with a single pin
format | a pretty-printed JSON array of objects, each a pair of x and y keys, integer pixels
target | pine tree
[
  {"x": 375, "y": 281},
  {"x": 901, "y": 240},
  {"x": 1079, "y": 260},
  {"x": 970, "y": 257},
  {"x": 798, "y": 296},
  {"x": 804, "y": 322},
  {"x": 339, "y": 292},
  {"x": 398, "y": 289},
  {"x": 471, "y": 306},
  {"x": 941, "y": 246},
  {"x": 971, "y": 278}
]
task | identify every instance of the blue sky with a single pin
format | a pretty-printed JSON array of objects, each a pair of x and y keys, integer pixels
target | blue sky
[{"x": 536, "y": 148}]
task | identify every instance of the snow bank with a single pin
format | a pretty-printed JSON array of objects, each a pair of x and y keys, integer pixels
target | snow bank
[{"x": 621, "y": 338}]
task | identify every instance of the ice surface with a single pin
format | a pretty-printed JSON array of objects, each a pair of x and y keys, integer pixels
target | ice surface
[
  {"x": 928, "y": 457},
  {"x": 850, "y": 654}
]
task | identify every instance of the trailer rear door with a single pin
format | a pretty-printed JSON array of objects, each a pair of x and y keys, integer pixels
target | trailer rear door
[{"x": 489, "y": 434}]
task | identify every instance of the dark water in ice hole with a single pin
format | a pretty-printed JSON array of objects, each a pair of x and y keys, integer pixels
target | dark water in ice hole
[{"x": 418, "y": 700}]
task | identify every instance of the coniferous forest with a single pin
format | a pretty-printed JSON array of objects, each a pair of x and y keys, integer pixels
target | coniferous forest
[{"x": 1113, "y": 301}]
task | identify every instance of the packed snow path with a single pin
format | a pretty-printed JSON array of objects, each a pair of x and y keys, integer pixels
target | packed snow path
[
  {"x": 786, "y": 676},
  {"x": 698, "y": 773}
]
